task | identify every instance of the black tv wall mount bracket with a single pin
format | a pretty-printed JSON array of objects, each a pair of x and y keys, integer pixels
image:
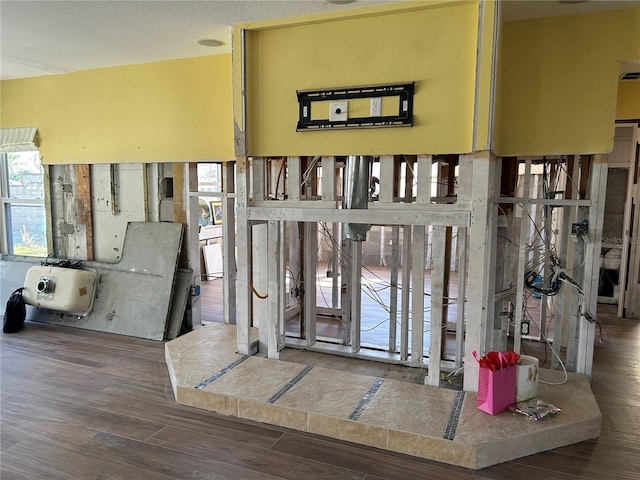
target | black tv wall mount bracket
[{"x": 310, "y": 118}]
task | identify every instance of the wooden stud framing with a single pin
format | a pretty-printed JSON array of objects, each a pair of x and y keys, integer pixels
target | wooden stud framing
[
  {"x": 462, "y": 291},
  {"x": 334, "y": 264},
  {"x": 561, "y": 312},
  {"x": 275, "y": 305},
  {"x": 423, "y": 197},
  {"x": 631, "y": 299},
  {"x": 493, "y": 331},
  {"x": 388, "y": 187},
  {"x": 406, "y": 288},
  {"x": 329, "y": 179},
  {"x": 48, "y": 201},
  {"x": 356, "y": 294},
  {"x": 345, "y": 289},
  {"x": 522, "y": 255},
  {"x": 259, "y": 254},
  {"x": 482, "y": 180},
  {"x": 597, "y": 195},
  {"x": 83, "y": 202},
  {"x": 578, "y": 260},
  {"x": 438, "y": 277},
  {"x": 294, "y": 178},
  {"x": 260, "y": 277},
  {"x": 309, "y": 274},
  {"x": 258, "y": 178},
  {"x": 379, "y": 214},
  {"x": 417, "y": 297},
  {"x": 408, "y": 177},
  {"x": 244, "y": 294},
  {"x": 387, "y": 179},
  {"x": 628, "y": 228},
  {"x": 393, "y": 294},
  {"x": 475, "y": 213},
  {"x": 229, "y": 272},
  {"x": 423, "y": 181}
]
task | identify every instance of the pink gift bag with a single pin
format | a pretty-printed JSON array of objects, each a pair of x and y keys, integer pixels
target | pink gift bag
[{"x": 496, "y": 385}]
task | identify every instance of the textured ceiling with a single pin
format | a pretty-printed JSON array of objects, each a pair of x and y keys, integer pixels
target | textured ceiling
[{"x": 50, "y": 37}]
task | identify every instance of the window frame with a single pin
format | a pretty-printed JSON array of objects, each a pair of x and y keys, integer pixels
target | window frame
[{"x": 6, "y": 201}]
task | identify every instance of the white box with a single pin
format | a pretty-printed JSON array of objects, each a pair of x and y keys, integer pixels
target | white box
[{"x": 67, "y": 290}]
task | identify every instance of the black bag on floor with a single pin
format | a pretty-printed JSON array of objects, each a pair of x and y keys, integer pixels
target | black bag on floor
[{"x": 15, "y": 313}]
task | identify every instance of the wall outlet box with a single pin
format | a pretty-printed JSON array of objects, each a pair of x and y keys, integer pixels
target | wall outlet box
[
  {"x": 376, "y": 107},
  {"x": 338, "y": 111}
]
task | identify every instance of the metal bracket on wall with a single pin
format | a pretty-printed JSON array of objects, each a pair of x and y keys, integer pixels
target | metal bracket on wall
[{"x": 402, "y": 91}]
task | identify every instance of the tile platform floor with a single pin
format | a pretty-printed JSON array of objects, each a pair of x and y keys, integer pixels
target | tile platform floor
[{"x": 433, "y": 423}]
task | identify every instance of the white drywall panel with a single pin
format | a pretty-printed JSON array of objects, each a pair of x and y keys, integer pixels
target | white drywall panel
[{"x": 109, "y": 227}]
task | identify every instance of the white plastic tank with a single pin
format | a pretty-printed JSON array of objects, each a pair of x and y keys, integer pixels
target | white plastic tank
[{"x": 67, "y": 290}]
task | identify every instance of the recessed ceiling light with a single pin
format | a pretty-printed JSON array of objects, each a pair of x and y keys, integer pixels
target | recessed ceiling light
[
  {"x": 210, "y": 42},
  {"x": 339, "y": 2}
]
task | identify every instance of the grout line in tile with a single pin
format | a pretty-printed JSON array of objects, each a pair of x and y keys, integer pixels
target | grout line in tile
[
  {"x": 366, "y": 399},
  {"x": 454, "y": 416},
  {"x": 221, "y": 372},
  {"x": 274, "y": 398}
]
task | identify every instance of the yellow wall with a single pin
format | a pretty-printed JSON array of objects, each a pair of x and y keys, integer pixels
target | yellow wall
[
  {"x": 485, "y": 76},
  {"x": 558, "y": 82},
  {"x": 431, "y": 44},
  {"x": 171, "y": 111},
  {"x": 628, "y": 100}
]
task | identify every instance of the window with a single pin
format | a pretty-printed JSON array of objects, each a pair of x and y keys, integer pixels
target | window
[
  {"x": 22, "y": 214},
  {"x": 209, "y": 180}
]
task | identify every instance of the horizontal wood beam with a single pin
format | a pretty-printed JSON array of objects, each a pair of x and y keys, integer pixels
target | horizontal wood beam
[
  {"x": 554, "y": 202},
  {"x": 407, "y": 216}
]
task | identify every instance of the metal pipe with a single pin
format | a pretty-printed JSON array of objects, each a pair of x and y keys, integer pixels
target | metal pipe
[{"x": 357, "y": 174}]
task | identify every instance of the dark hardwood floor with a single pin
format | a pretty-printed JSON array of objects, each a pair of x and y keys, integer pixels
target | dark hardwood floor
[{"x": 77, "y": 404}]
